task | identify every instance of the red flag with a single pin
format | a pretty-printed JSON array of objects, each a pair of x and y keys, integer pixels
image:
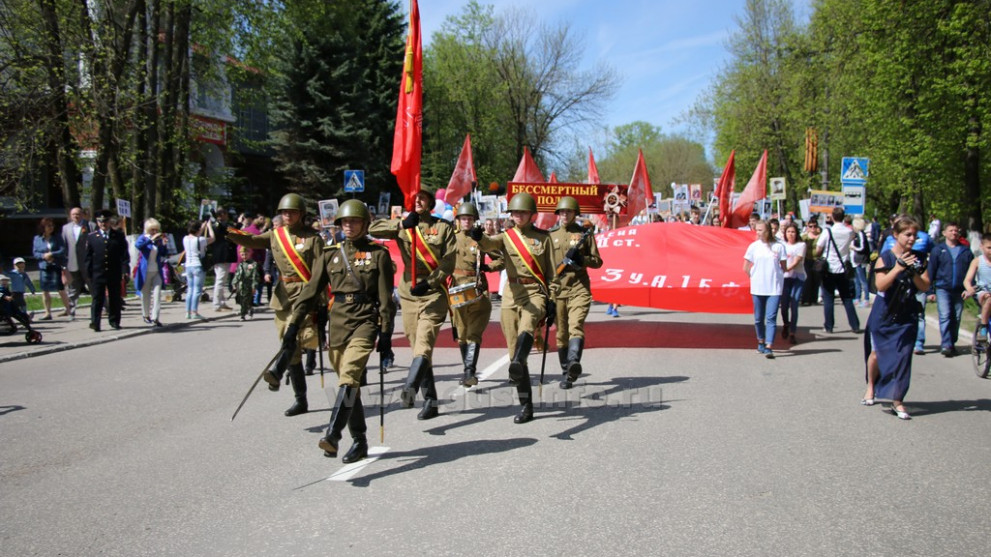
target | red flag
[
  {"x": 725, "y": 188},
  {"x": 756, "y": 189},
  {"x": 407, "y": 143},
  {"x": 463, "y": 176},
  {"x": 639, "y": 194},
  {"x": 593, "y": 178},
  {"x": 527, "y": 171}
]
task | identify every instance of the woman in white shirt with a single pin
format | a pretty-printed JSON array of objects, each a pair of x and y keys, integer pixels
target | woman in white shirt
[
  {"x": 791, "y": 294},
  {"x": 765, "y": 261},
  {"x": 194, "y": 244}
]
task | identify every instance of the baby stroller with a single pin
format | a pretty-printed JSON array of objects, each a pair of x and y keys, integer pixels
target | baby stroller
[{"x": 8, "y": 314}]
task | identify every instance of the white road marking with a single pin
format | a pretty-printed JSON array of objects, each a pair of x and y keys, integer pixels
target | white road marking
[
  {"x": 349, "y": 470},
  {"x": 493, "y": 367}
]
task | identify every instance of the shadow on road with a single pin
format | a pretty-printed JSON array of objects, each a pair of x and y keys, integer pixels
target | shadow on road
[
  {"x": 12, "y": 408},
  {"x": 940, "y": 406}
]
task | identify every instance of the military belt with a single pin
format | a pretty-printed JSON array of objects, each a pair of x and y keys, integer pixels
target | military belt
[
  {"x": 464, "y": 273},
  {"x": 352, "y": 298},
  {"x": 291, "y": 279},
  {"x": 523, "y": 280}
]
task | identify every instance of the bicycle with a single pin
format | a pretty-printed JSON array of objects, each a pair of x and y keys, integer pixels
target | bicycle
[{"x": 980, "y": 353}]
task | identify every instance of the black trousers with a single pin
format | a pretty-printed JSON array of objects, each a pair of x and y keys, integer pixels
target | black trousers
[{"x": 106, "y": 294}]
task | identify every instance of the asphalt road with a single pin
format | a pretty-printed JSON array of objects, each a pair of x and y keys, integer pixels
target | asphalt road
[{"x": 679, "y": 440}]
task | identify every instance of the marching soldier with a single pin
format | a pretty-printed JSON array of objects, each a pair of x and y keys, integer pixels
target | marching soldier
[
  {"x": 574, "y": 253},
  {"x": 424, "y": 304},
  {"x": 294, "y": 249},
  {"x": 470, "y": 287},
  {"x": 532, "y": 288},
  {"x": 359, "y": 274}
]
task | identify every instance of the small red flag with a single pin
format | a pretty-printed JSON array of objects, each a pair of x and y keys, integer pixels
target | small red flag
[
  {"x": 725, "y": 188},
  {"x": 640, "y": 193},
  {"x": 527, "y": 171},
  {"x": 599, "y": 221},
  {"x": 407, "y": 143},
  {"x": 756, "y": 189},
  {"x": 463, "y": 176}
]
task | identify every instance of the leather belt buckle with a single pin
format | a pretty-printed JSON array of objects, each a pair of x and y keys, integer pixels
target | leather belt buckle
[{"x": 349, "y": 298}]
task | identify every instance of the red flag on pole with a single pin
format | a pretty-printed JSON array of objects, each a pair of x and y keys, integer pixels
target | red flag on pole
[
  {"x": 527, "y": 171},
  {"x": 640, "y": 193},
  {"x": 599, "y": 221},
  {"x": 463, "y": 176},
  {"x": 725, "y": 189},
  {"x": 408, "y": 140},
  {"x": 756, "y": 189}
]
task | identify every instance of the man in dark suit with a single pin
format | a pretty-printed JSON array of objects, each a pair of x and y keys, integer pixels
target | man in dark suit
[
  {"x": 74, "y": 233},
  {"x": 106, "y": 264}
]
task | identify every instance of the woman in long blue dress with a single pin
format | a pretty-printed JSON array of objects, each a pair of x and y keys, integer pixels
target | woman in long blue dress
[{"x": 894, "y": 319}]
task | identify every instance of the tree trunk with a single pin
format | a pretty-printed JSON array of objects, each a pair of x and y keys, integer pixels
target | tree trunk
[
  {"x": 972, "y": 173},
  {"x": 65, "y": 147}
]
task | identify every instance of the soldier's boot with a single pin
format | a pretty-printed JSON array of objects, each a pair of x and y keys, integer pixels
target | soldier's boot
[
  {"x": 357, "y": 428},
  {"x": 274, "y": 376},
  {"x": 298, "y": 380},
  {"x": 471, "y": 363},
  {"x": 575, "y": 348},
  {"x": 525, "y": 393},
  {"x": 429, "y": 392},
  {"x": 562, "y": 356},
  {"x": 464, "y": 360},
  {"x": 339, "y": 417},
  {"x": 311, "y": 361},
  {"x": 517, "y": 366},
  {"x": 416, "y": 370}
]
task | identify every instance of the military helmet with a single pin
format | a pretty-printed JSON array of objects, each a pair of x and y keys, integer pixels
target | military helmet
[
  {"x": 292, "y": 201},
  {"x": 352, "y": 208},
  {"x": 567, "y": 203},
  {"x": 467, "y": 210},
  {"x": 523, "y": 202}
]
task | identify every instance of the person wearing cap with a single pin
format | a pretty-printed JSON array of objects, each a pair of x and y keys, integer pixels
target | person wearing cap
[
  {"x": 294, "y": 251},
  {"x": 471, "y": 319},
  {"x": 106, "y": 262},
  {"x": 20, "y": 282},
  {"x": 424, "y": 304},
  {"x": 532, "y": 287},
  {"x": 359, "y": 273},
  {"x": 574, "y": 253}
]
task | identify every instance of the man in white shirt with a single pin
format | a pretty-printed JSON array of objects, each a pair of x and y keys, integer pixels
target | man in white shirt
[
  {"x": 834, "y": 244},
  {"x": 74, "y": 234}
]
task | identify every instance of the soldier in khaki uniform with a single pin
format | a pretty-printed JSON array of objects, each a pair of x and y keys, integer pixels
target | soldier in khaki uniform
[
  {"x": 359, "y": 273},
  {"x": 424, "y": 304},
  {"x": 574, "y": 253},
  {"x": 471, "y": 320},
  {"x": 532, "y": 286},
  {"x": 294, "y": 257}
]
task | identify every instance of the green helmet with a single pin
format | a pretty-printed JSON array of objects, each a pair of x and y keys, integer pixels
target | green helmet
[
  {"x": 467, "y": 210},
  {"x": 568, "y": 204},
  {"x": 523, "y": 202},
  {"x": 352, "y": 208},
  {"x": 292, "y": 201}
]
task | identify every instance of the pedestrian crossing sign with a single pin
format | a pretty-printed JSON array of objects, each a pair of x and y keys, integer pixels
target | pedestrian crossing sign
[
  {"x": 354, "y": 181},
  {"x": 854, "y": 171}
]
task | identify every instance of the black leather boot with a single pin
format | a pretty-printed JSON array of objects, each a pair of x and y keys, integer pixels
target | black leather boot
[
  {"x": 562, "y": 356},
  {"x": 274, "y": 376},
  {"x": 575, "y": 347},
  {"x": 429, "y": 392},
  {"x": 408, "y": 395},
  {"x": 311, "y": 361},
  {"x": 339, "y": 417},
  {"x": 471, "y": 363},
  {"x": 357, "y": 428},
  {"x": 517, "y": 367},
  {"x": 525, "y": 392},
  {"x": 464, "y": 360},
  {"x": 298, "y": 380}
]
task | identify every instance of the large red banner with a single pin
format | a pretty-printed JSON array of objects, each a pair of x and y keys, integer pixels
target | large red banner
[{"x": 674, "y": 266}]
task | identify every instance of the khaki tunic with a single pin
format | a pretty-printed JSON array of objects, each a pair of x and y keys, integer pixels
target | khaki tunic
[
  {"x": 308, "y": 243},
  {"x": 471, "y": 320},
  {"x": 575, "y": 297},
  {"x": 361, "y": 305},
  {"x": 424, "y": 315},
  {"x": 523, "y": 305}
]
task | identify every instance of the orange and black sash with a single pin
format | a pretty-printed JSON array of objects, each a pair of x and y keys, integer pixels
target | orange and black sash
[
  {"x": 423, "y": 252},
  {"x": 521, "y": 246},
  {"x": 295, "y": 259}
]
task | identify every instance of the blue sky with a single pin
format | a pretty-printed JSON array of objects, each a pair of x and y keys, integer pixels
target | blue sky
[{"x": 666, "y": 52}]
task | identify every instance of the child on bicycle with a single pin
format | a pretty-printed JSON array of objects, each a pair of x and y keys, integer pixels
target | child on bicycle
[{"x": 977, "y": 283}]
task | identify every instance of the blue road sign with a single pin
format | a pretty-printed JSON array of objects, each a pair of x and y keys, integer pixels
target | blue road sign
[
  {"x": 354, "y": 181},
  {"x": 853, "y": 171}
]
